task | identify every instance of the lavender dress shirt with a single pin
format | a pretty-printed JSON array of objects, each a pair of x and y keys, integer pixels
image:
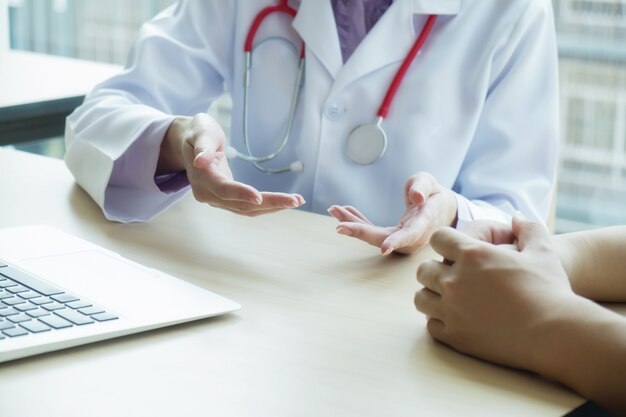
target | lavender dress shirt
[{"x": 354, "y": 19}]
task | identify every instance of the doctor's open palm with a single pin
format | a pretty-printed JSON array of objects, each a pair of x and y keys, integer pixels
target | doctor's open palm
[
  {"x": 428, "y": 207},
  {"x": 197, "y": 145}
]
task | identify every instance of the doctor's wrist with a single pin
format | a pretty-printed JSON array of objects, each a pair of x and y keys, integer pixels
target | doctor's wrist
[
  {"x": 453, "y": 211},
  {"x": 171, "y": 155}
]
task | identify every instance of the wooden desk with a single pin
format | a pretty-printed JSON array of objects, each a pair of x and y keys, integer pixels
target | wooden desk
[
  {"x": 327, "y": 327},
  {"x": 38, "y": 91}
]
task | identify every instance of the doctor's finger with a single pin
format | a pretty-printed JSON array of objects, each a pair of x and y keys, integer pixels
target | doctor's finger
[
  {"x": 419, "y": 187},
  {"x": 374, "y": 235},
  {"x": 218, "y": 180},
  {"x": 271, "y": 199},
  {"x": 358, "y": 214},
  {"x": 252, "y": 213},
  {"x": 230, "y": 190},
  {"x": 429, "y": 303},
  {"x": 406, "y": 240},
  {"x": 344, "y": 214},
  {"x": 249, "y": 209}
]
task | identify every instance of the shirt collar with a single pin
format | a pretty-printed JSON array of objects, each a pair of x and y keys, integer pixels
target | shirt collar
[{"x": 438, "y": 7}]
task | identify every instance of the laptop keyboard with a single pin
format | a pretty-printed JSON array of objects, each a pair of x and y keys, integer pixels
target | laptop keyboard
[{"x": 30, "y": 305}]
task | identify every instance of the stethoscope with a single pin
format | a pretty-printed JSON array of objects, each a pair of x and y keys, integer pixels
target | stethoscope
[{"x": 365, "y": 144}]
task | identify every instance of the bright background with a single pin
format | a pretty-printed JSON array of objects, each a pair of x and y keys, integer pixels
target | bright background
[{"x": 592, "y": 50}]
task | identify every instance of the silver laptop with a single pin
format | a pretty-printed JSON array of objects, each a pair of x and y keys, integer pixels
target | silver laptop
[{"x": 58, "y": 291}]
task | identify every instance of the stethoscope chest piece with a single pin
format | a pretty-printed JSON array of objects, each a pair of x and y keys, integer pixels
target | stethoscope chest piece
[{"x": 366, "y": 144}]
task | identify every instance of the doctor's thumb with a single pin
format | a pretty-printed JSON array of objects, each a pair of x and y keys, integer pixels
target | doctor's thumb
[
  {"x": 419, "y": 188},
  {"x": 203, "y": 159},
  {"x": 207, "y": 139}
]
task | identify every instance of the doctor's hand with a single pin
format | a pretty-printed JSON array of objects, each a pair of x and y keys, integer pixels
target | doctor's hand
[
  {"x": 429, "y": 206},
  {"x": 197, "y": 145}
]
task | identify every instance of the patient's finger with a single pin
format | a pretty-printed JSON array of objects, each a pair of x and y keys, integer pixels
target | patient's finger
[
  {"x": 429, "y": 303},
  {"x": 430, "y": 273},
  {"x": 449, "y": 242}
]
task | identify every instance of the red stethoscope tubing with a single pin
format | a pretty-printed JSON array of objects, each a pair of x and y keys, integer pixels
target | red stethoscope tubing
[
  {"x": 397, "y": 79},
  {"x": 283, "y": 7}
]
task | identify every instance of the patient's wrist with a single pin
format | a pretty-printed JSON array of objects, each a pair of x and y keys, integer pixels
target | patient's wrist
[
  {"x": 559, "y": 342},
  {"x": 567, "y": 253}
]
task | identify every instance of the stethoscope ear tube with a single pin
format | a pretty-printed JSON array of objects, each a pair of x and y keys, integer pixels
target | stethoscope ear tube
[
  {"x": 231, "y": 152},
  {"x": 250, "y": 157}
]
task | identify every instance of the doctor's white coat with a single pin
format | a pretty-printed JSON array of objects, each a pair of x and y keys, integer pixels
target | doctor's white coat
[{"x": 478, "y": 108}]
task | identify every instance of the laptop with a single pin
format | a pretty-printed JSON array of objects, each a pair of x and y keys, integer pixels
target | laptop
[{"x": 59, "y": 291}]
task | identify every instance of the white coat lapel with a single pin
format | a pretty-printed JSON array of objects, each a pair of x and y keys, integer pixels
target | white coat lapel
[
  {"x": 439, "y": 7},
  {"x": 315, "y": 23},
  {"x": 392, "y": 37}
]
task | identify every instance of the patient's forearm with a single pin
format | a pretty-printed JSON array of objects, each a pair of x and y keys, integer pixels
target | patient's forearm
[
  {"x": 584, "y": 347},
  {"x": 595, "y": 261}
]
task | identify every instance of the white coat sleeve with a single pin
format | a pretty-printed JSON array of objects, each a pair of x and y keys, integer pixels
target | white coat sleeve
[
  {"x": 511, "y": 164},
  {"x": 177, "y": 66}
]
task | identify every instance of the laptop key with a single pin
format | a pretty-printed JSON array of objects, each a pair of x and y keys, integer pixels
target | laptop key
[
  {"x": 17, "y": 289},
  {"x": 104, "y": 316},
  {"x": 6, "y": 325},
  {"x": 74, "y": 316},
  {"x": 41, "y": 300},
  {"x": 5, "y": 294},
  {"x": 26, "y": 306},
  {"x": 53, "y": 306},
  {"x": 35, "y": 326},
  {"x": 18, "y": 318},
  {"x": 30, "y": 281},
  {"x": 78, "y": 304},
  {"x": 2, "y": 264},
  {"x": 55, "y": 321},
  {"x": 6, "y": 312},
  {"x": 38, "y": 313},
  {"x": 13, "y": 301},
  {"x": 6, "y": 283},
  {"x": 30, "y": 294},
  {"x": 88, "y": 311},
  {"x": 14, "y": 332},
  {"x": 64, "y": 298}
]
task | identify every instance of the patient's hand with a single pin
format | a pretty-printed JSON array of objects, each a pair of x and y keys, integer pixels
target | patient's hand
[{"x": 490, "y": 301}]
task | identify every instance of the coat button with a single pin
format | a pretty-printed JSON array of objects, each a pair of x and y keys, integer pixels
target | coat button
[{"x": 334, "y": 110}]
